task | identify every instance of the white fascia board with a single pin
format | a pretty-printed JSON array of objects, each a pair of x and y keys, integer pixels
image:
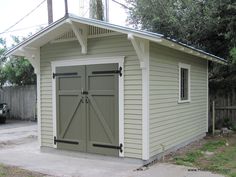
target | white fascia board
[{"x": 34, "y": 37}]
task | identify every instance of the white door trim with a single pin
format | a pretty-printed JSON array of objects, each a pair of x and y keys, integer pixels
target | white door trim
[{"x": 91, "y": 61}]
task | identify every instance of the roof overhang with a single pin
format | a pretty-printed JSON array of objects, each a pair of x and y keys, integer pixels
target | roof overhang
[{"x": 63, "y": 25}]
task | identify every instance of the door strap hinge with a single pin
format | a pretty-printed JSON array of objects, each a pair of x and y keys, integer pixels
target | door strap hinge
[
  {"x": 109, "y": 72},
  {"x": 84, "y": 92},
  {"x": 64, "y": 74},
  {"x": 64, "y": 141},
  {"x": 110, "y": 146}
]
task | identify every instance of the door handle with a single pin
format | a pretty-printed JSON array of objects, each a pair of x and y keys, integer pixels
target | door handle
[
  {"x": 87, "y": 99},
  {"x": 84, "y": 92}
]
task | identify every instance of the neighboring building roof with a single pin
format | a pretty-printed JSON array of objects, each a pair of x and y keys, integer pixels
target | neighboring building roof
[{"x": 58, "y": 27}]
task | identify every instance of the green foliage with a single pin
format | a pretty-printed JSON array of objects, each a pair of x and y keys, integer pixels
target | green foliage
[
  {"x": 15, "y": 70},
  {"x": 189, "y": 158},
  {"x": 222, "y": 161},
  {"x": 233, "y": 55},
  {"x": 18, "y": 71},
  {"x": 227, "y": 123},
  {"x": 233, "y": 127},
  {"x": 233, "y": 175},
  {"x": 206, "y": 24},
  {"x": 211, "y": 146},
  {"x": 2, "y": 50}
]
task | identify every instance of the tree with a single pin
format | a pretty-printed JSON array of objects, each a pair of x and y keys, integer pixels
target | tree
[
  {"x": 15, "y": 70},
  {"x": 97, "y": 9},
  {"x": 2, "y": 49},
  {"x": 205, "y": 24}
]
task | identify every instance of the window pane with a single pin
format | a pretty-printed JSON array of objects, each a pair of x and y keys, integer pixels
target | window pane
[{"x": 184, "y": 84}]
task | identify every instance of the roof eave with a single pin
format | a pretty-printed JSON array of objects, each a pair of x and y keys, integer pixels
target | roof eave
[
  {"x": 13, "y": 50},
  {"x": 158, "y": 38}
]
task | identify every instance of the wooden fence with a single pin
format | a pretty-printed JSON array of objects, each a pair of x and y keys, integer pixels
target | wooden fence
[
  {"x": 225, "y": 107},
  {"x": 21, "y": 101}
]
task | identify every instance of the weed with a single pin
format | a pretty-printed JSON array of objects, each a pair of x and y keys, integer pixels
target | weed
[
  {"x": 232, "y": 175},
  {"x": 213, "y": 145},
  {"x": 221, "y": 161},
  {"x": 189, "y": 158}
]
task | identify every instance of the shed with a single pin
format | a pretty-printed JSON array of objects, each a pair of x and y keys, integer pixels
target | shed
[{"x": 116, "y": 91}]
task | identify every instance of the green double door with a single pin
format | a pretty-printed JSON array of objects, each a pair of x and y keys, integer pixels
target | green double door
[{"x": 87, "y": 108}]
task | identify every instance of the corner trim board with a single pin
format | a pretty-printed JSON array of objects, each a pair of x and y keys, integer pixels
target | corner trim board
[
  {"x": 142, "y": 49},
  {"x": 207, "y": 111}
]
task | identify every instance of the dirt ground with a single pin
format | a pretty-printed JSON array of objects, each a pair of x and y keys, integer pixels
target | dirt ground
[
  {"x": 216, "y": 154},
  {"x": 231, "y": 139},
  {"x": 10, "y": 171}
]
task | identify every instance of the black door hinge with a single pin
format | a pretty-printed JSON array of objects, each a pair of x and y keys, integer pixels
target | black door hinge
[
  {"x": 64, "y": 141},
  {"x": 64, "y": 74},
  {"x": 110, "y": 146},
  {"x": 109, "y": 72}
]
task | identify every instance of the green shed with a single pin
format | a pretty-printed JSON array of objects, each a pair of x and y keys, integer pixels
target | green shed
[{"x": 116, "y": 91}]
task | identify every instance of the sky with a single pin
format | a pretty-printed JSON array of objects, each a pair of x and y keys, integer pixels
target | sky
[{"x": 14, "y": 10}]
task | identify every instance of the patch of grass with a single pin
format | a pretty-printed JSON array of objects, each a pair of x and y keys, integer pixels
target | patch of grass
[
  {"x": 2, "y": 173},
  {"x": 189, "y": 158},
  {"x": 9, "y": 171},
  {"x": 232, "y": 175},
  {"x": 222, "y": 160},
  {"x": 211, "y": 146}
]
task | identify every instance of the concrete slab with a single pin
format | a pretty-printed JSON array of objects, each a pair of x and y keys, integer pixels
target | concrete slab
[
  {"x": 170, "y": 170},
  {"x": 14, "y": 131},
  {"x": 27, "y": 155}
]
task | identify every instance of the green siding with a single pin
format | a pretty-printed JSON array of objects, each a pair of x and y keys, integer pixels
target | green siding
[
  {"x": 173, "y": 123},
  {"x": 97, "y": 47}
]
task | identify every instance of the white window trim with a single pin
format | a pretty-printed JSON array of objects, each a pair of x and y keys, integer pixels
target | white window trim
[
  {"x": 92, "y": 61},
  {"x": 188, "y": 67}
]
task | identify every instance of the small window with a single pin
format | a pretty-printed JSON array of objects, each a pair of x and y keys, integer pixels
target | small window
[{"x": 184, "y": 83}]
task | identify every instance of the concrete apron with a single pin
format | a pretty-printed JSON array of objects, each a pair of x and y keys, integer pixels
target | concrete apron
[
  {"x": 19, "y": 147},
  {"x": 29, "y": 156}
]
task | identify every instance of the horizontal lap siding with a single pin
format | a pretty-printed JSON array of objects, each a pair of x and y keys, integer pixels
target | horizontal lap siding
[
  {"x": 98, "y": 47},
  {"x": 172, "y": 123}
]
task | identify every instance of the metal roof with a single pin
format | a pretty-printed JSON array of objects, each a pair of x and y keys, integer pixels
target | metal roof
[{"x": 60, "y": 25}]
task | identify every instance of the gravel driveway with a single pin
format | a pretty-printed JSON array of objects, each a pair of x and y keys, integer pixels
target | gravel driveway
[{"x": 19, "y": 147}]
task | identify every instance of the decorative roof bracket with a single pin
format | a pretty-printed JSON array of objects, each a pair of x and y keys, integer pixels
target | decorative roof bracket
[
  {"x": 33, "y": 55},
  {"x": 81, "y": 33},
  {"x": 141, "y": 47}
]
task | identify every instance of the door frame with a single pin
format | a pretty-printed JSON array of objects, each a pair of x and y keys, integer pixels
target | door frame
[{"x": 92, "y": 61}]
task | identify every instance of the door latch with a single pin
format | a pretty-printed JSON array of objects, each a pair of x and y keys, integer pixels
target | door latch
[{"x": 84, "y": 92}]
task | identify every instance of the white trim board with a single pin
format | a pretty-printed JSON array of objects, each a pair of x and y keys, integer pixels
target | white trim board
[
  {"x": 39, "y": 107},
  {"x": 188, "y": 67},
  {"x": 207, "y": 111},
  {"x": 92, "y": 61},
  {"x": 145, "y": 103}
]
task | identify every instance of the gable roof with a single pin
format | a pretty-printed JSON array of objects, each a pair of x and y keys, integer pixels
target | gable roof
[{"x": 61, "y": 26}]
